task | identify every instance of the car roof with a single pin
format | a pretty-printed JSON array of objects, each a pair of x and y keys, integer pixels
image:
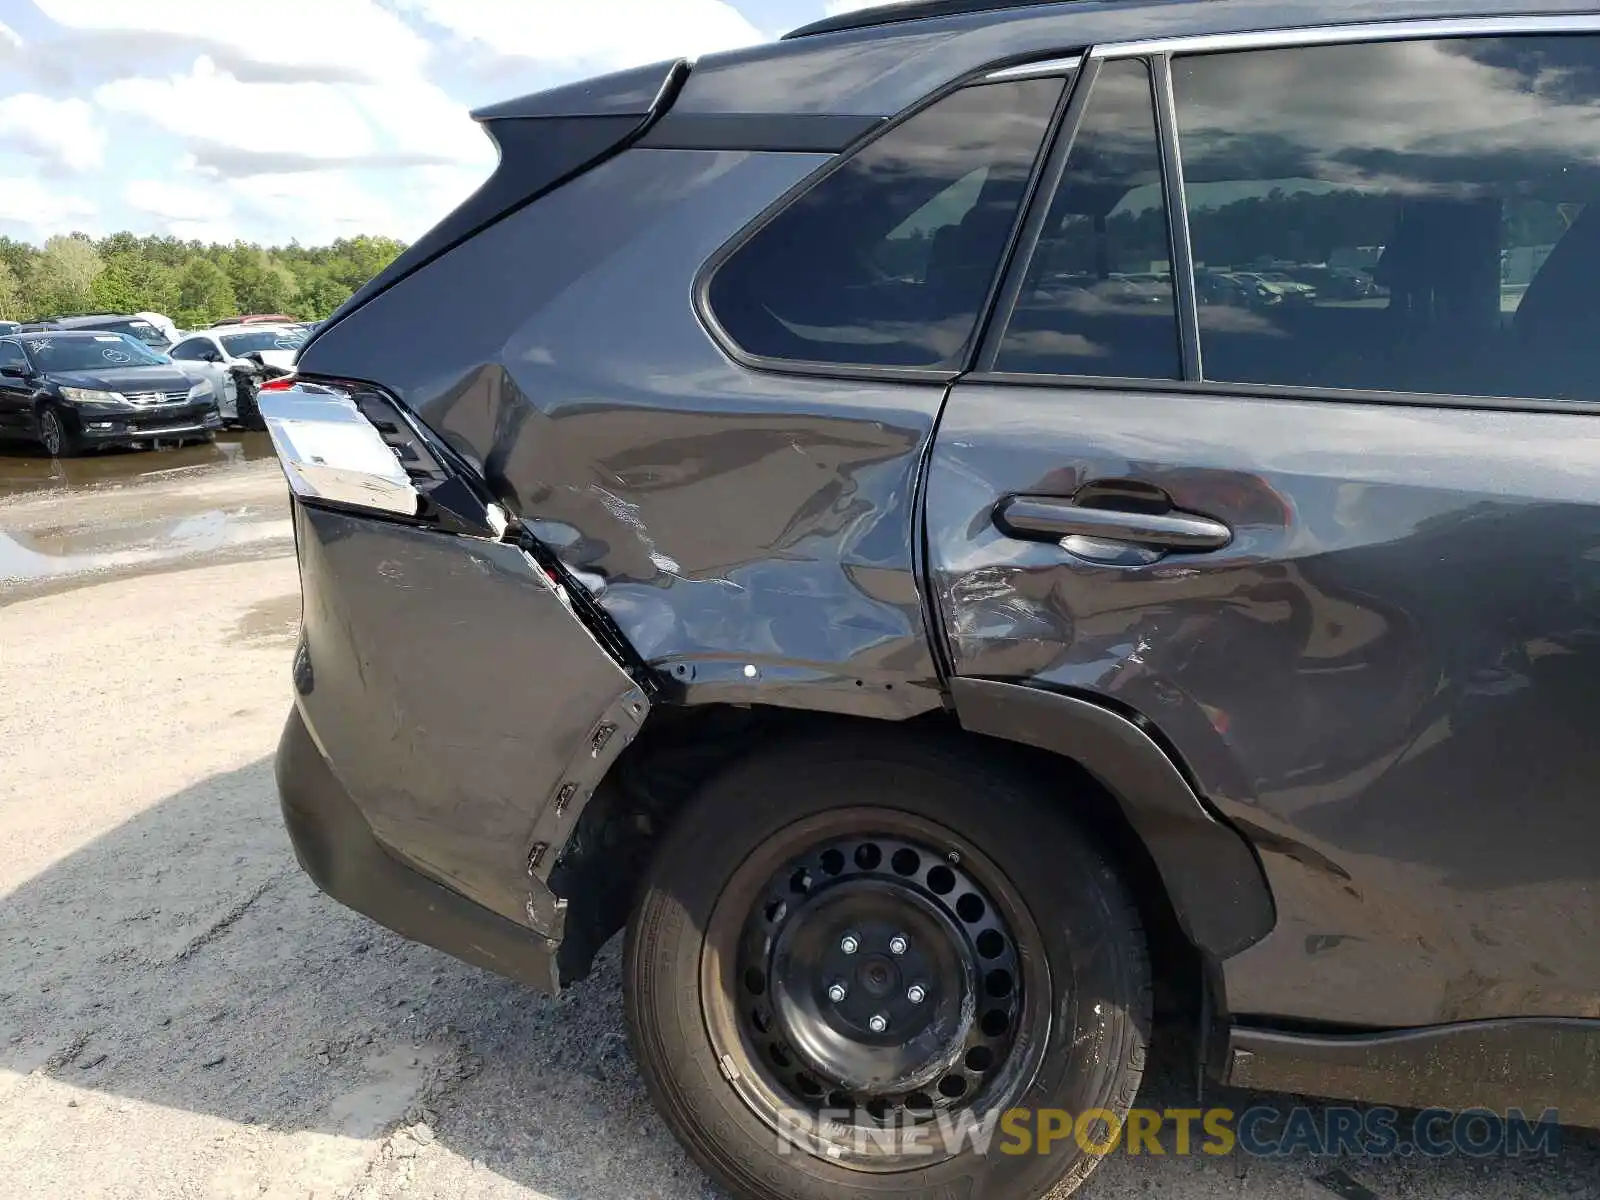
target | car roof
[
  {"x": 1319, "y": 12},
  {"x": 879, "y": 62},
  {"x": 99, "y": 319},
  {"x": 896, "y": 11},
  {"x": 58, "y": 335}
]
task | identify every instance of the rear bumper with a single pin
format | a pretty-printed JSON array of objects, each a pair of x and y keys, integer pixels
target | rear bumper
[{"x": 336, "y": 847}]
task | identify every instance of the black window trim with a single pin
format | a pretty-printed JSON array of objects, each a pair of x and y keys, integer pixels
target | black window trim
[
  {"x": 1158, "y": 54},
  {"x": 1014, "y": 268},
  {"x": 1070, "y": 69},
  {"x": 1178, "y": 248},
  {"x": 1176, "y": 197},
  {"x": 1080, "y": 64}
]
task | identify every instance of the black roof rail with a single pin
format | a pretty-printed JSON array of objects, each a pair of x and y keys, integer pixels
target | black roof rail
[{"x": 914, "y": 10}]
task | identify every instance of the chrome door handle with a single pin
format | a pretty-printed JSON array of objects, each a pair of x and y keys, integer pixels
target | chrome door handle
[{"x": 1049, "y": 518}]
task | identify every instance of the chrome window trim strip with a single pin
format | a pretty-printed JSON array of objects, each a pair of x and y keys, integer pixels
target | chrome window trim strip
[
  {"x": 1372, "y": 31},
  {"x": 1053, "y": 66}
]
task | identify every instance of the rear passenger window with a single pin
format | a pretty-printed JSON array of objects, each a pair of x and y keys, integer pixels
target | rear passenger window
[
  {"x": 1098, "y": 296},
  {"x": 889, "y": 260},
  {"x": 1407, "y": 216}
]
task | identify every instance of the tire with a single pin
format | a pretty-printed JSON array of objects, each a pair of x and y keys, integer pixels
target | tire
[
  {"x": 728, "y": 986},
  {"x": 55, "y": 436},
  {"x": 249, "y": 410}
]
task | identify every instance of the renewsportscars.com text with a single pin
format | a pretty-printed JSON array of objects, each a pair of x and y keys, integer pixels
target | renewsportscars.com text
[{"x": 1262, "y": 1131}]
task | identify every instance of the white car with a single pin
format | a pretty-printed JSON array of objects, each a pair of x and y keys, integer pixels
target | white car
[{"x": 213, "y": 354}]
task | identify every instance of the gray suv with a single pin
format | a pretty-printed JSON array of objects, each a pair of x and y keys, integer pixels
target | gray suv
[{"x": 816, "y": 508}]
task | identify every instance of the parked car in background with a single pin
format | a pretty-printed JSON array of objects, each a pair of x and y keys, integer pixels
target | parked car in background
[
  {"x": 223, "y": 355},
  {"x": 1268, "y": 288},
  {"x": 163, "y": 324},
  {"x": 134, "y": 326},
  {"x": 255, "y": 319},
  {"x": 77, "y": 390},
  {"x": 931, "y": 664},
  {"x": 9, "y": 327}
]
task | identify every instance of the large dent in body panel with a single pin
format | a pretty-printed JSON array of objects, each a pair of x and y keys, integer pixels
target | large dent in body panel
[
  {"x": 1384, "y": 681},
  {"x": 749, "y": 534}
]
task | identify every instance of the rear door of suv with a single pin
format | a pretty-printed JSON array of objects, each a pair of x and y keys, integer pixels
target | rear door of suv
[{"x": 1336, "y": 538}]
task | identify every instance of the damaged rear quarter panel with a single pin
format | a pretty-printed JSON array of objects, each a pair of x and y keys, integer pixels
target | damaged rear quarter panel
[
  {"x": 459, "y": 696},
  {"x": 750, "y": 534}
]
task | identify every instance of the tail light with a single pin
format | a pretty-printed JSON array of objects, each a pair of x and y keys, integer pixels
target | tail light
[{"x": 353, "y": 446}]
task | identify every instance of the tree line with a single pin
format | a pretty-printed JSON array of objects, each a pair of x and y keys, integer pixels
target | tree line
[{"x": 193, "y": 283}]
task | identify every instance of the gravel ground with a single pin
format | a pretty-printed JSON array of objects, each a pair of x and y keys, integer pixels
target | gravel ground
[{"x": 183, "y": 1015}]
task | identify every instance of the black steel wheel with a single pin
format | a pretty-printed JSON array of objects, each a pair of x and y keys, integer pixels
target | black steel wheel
[
  {"x": 846, "y": 951},
  {"x": 873, "y": 978}
]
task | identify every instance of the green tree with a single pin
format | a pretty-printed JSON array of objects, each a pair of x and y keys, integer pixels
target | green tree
[
  {"x": 115, "y": 289},
  {"x": 356, "y": 260},
  {"x": 60, "y": 278},
  {"x": 205, "y": 293},
  {"x": 191, "y": 282},
  {"x": 10, "y": 293},
  {"x": 18, "y": 256},
  {"x": 319, "y": 294},
  {"x": 260, "y": 284},
  {"x": 155, "y": 284}
]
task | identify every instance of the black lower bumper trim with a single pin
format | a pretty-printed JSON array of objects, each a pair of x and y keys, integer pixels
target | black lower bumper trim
[
  {"x": 1531, "y": 1063},
  {"x": 125, "y": 431},
  {"x": 337, "y": 848}
]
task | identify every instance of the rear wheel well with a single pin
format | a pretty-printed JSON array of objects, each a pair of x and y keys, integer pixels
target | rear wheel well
[{"x": 679, "y": 748}]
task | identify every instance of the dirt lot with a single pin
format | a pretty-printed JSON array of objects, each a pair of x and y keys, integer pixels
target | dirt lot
[{"x": 183, "y": 1015}]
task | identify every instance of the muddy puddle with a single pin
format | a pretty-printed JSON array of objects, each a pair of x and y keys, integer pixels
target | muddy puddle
[
  {"x": 66, "y": 522},
  {"x": 23, "y": 470}
]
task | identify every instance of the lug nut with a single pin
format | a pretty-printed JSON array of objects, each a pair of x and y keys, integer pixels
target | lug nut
[
  {"x": 898, "y": 945},
  {"x": 837, "y": 993},
  {"x": 916, "y": 993},
  {"x": 878, "y": 1023},
  {"x": 849, "y": 944}
]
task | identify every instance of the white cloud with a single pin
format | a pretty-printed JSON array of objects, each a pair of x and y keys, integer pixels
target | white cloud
[
  {"x": 600, "y": 34},
  {"x": 60, "y": 131},
  {"x": 177, "y": 201},
  {"x": 313, "y": 206},
  {"x": 308, "y": 119},
  {"x": 42, "y": 210},
  {"x": 237, "y": 128},
  {"x": 318, "y": 207},
  {"x": 346, "y": 39}
]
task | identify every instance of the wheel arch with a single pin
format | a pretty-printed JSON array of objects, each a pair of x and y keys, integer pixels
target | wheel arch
[
  {"x": 1210, "y": 872},
  {"x": 1197, "y": 881}
]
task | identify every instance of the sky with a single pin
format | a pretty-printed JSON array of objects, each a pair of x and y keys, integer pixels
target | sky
[{"x": 271, "y": 120}]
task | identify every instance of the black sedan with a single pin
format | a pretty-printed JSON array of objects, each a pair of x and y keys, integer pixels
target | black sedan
[{"x": 72, "y": 391}]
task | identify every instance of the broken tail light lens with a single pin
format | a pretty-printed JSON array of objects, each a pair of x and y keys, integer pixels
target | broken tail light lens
[
  {"x": 331, "y": 452},
  {"x": 352, "y": 445}
]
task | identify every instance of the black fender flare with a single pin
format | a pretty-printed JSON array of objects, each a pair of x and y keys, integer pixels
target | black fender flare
[{"x": 1211, "y": 873}]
